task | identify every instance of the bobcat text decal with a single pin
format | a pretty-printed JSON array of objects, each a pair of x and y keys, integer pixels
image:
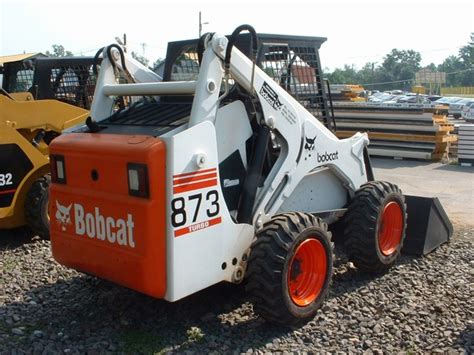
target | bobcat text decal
[
  {"x": 95, "y": 225},
  {"x": 270, "y": 96},
  {"x": 327, "y": 157}
]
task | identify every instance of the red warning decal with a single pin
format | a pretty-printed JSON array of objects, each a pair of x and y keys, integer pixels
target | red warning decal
[{"x": 194, "y": 181}]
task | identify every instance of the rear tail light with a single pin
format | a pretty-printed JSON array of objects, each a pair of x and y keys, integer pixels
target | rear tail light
[
  {"x": 58, "y": 169},
  {"x": 138, "y": 180}
]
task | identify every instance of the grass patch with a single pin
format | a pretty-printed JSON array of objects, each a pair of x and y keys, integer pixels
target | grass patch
[
  {"x": 141, "y": 341},
  {"x": 148, "y": 342}
]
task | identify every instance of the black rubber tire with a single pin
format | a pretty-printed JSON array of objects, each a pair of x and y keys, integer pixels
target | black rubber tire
[
  {"x": 362, "y": 224},
  {"x": 36, "y": 207},
  {"x": 268, "y": 264}
]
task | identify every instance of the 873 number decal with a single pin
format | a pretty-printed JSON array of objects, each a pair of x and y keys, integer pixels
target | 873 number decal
[
  {"x": 6, "y": 179},
  {"x": 181, "y": 213}
]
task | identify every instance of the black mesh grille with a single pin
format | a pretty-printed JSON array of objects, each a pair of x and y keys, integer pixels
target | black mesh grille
[
  {"x": 24, "y": 80},
  {"x": 186, "y": 66},
  {"x": 20, "y": 77},
  {"x": 296, "y": 70},
  {"x": 73, "y": 84}
]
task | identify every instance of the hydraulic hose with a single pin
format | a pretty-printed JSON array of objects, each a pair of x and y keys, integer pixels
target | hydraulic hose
[
  {"x": 122, "y": 56},
  {"x": 228, "y": 53},
  {"x": 233, "y": 38},
  {"x": 96, "y": 59}
]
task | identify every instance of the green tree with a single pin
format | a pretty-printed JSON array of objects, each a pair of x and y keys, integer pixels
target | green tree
[
  {"x": 369, "y": 73},
  {"x": 431, "y": 66},
  {"x": 466, "y": 57},
  {"x": 466, "y": 53},
  {"x": 401, "y": 65},
  {"x": 398, "y": 69},
  {"x": 59, "y": 51},
  {"x": 347, "y": 75},
  {"x": 452, "y": 64}
]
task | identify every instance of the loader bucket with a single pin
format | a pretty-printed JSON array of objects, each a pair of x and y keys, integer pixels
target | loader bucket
[{"x": 428, "y": 225}]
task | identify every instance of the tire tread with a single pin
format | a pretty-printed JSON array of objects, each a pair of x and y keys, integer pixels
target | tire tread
[
  {"x": 34, "y": 207},
  {"x": 361, "y": 225},
  {"x": 267, "y": 260}
]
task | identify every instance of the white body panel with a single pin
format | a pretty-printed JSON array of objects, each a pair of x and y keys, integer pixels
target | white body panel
[
  {"x": 195, "y": 259},
  {"x": 320, "y": 190}
]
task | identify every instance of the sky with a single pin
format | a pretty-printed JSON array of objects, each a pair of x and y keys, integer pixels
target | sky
[{"x": 357, "y": 31}]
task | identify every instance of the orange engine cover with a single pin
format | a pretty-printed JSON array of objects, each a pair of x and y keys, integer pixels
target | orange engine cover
[{"x": 96, "y": 225}]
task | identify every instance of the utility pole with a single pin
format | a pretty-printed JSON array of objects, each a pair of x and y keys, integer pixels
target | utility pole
[{"x": 200, "y": 24}]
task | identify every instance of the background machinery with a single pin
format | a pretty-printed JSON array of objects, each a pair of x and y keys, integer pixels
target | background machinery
[
  {"x": 223, "y": 176},
  {"x": 28, "y": 126}
]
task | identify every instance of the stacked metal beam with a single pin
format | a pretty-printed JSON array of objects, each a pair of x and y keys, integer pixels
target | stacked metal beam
[
  {"x": 466, "y": 144},
  {"x": 399, "y": 132}
]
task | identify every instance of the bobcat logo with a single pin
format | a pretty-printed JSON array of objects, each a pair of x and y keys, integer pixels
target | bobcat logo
[
  {"x": 63, "y": 215},
  {"x": 309, "y": 145}
]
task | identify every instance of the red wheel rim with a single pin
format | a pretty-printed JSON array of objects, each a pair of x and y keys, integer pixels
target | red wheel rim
[
  {"x": 391, "y": 227},
  {"x": 307, "y": 272}
]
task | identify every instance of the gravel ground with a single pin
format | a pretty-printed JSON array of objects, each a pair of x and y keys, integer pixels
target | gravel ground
[{"x": 421, "y": 305}]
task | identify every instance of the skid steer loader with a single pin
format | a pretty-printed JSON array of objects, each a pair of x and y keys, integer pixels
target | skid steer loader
[
  {"x": 31, "y": 116},
  {"x": 223, "y": 178}
]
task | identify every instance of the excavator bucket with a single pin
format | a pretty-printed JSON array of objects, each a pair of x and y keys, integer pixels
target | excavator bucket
[{"x": 428, "y": 225}]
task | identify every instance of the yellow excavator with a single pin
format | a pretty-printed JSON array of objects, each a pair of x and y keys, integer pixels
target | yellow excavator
[{"x": 40, "y": 97}]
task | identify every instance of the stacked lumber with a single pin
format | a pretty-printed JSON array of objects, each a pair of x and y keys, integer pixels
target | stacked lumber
[
  {"x": 401, "y": 132},
  {"x": 453, "y": 147},
  {"x": 466, "y": 144}
]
